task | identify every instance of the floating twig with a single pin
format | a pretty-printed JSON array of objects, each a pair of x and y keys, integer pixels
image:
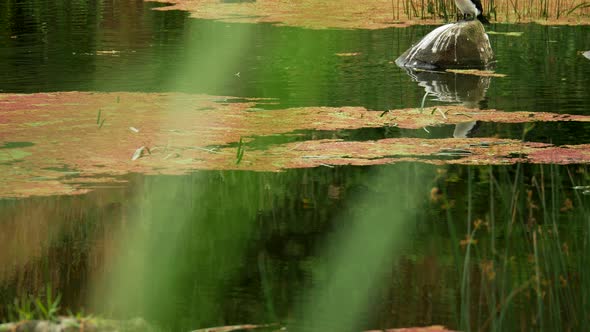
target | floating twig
[
  {"x": 315, "y": 157},
  {"x": 454, "y": 152},
  {"x": 423, "y": 101},
  {"x": 441, "y": 113},
  {"x": 173, "y": 154},
  {"x": 208, "y": 150},
  {"x": 138, "y": 153}
]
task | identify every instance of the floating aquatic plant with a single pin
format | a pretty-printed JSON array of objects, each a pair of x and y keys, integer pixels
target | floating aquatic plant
[{"x": 206, "y": 139}]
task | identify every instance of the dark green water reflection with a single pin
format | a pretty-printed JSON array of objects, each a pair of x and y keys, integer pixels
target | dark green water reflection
[
  {"x": 104, "y": 46},
  {"x": 336, "y": 249},
  {"x": 363, "y": 247},
  {"x": 46, "y": 46}
]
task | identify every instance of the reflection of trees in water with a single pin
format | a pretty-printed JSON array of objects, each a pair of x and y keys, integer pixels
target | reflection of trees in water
[
  {"x": 60, "y": 241},
  {"x": 224, "y": 229},
  {"x": 467, "y": 90},
  {"x": 244, "y": 246},
  {"x": 53, "y": 46}
]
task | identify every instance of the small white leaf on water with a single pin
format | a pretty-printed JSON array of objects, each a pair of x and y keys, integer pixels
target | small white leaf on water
[
  {"x": 133, "y": 129},
  {"x": 137, "y": 154}
]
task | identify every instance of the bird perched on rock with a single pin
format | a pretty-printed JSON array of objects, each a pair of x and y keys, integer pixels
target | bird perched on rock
[{"x": 472, "y": 9}]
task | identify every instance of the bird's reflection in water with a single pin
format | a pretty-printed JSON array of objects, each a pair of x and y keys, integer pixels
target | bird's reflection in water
[{"x": 466, "y": 90}]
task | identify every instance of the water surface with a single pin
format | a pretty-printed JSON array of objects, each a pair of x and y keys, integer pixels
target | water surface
[{"x": 332, "y": 248}]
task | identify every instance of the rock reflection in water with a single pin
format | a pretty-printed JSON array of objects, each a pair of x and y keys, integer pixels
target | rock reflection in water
[{"x": 467, "y": 90}]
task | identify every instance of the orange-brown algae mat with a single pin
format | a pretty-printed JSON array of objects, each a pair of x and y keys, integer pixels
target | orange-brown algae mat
[{"x": 60, "y": 143}]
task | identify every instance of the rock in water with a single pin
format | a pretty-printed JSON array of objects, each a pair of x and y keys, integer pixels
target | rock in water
[{"x": 457, "y": 45}]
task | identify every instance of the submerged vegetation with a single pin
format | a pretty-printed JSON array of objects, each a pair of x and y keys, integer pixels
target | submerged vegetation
[
  {"x": 480, "y": 248},
  {"x": 520, "y": 258}
]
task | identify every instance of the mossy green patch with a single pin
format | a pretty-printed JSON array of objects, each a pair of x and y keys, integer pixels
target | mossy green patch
[{"x": 12, "y": 145}]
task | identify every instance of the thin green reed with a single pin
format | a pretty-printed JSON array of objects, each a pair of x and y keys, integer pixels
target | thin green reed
[
  {"x": 566, "y": 299},
  {"x": 542, "y": 8},
  {"x": 524, "y": 249},
  {"x": 443, "y": 8},
  {"x": 515, "y": 8},
  {"x": 455, "y": 248},
  {"x": 507, "y": 9},
  {"x": 582, "y": 260},
  {"x": 422, "y": 9},
  {"x": 414, "y": 9},
  {"x": 490, "y": 7},
  {"x": 492, "y": 223},
  {"x": 510, "y": 196},
  {"x": 465, "y": 294},
  {"x": 406, "y": 8}
]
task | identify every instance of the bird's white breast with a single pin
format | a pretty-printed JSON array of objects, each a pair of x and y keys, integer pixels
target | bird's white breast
[{"x": 467, "y": 7}]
